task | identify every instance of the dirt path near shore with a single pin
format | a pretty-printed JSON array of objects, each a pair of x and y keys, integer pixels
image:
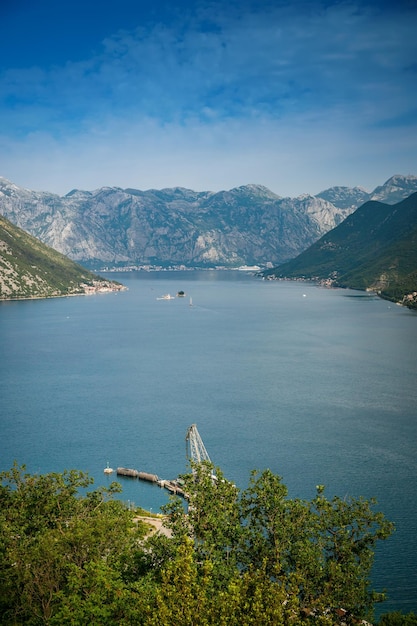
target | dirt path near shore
[{"x": 157, "y": 523}]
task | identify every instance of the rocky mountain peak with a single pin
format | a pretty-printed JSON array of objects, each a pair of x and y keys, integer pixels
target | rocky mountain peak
[
  {"x": 256, "y": 190},
  {"x": 395, "y": 189},
  {"x": 245, "y": 225}
]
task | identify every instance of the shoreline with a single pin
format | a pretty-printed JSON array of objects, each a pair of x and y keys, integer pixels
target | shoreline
[{"x": 88, "y": 292}]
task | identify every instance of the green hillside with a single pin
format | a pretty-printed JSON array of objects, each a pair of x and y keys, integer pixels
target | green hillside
[
  {"x": 375, "y": 248},
  {"x": 30, "y": 269}
]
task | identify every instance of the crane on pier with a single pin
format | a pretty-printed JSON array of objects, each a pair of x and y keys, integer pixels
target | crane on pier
[{"x": 194, "y": 447}]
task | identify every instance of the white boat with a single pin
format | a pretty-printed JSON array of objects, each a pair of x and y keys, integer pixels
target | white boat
[
  {"x": 167, "y": 296},
  {"x": 249, "y": 268},
  {"x": 108, "y": 470}
]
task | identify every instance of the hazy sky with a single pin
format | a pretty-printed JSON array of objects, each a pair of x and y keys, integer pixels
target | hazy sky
[{"x": 298, "y": 96}]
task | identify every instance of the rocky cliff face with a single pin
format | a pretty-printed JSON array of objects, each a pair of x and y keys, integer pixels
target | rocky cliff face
[
  {"x": 345, "y": 197},
  {"x": 247, "y": 225}
]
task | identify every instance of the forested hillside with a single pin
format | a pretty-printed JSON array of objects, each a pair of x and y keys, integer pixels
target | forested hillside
[
  {"x": 30, "y": 269},
  {"x": 375, "y": 248}
]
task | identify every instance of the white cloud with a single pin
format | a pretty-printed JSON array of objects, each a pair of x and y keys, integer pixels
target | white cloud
[
  {"x": 290, "y": 96},
  {"x": 304, "y": 155},
  {"x": 269, "y": 60}
]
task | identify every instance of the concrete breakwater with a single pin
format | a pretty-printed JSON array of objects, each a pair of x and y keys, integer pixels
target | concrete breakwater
[{"x": 174, "y": 486}]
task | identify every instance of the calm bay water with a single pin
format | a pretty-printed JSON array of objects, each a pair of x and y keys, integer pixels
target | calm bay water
[{"x": 317, "y": 385}]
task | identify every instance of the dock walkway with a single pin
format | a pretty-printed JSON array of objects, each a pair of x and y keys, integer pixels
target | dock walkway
[{"x": 173, "y": 486}]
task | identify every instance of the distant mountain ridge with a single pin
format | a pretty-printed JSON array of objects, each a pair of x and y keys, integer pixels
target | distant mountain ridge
[
  {"x": 375, "y": 248},
  {"x": 30, "y": 269},
  {"x": 129, "y": 227}
]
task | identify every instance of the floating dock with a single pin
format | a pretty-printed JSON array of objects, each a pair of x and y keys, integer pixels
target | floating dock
[{"x": 174, "y": 486}]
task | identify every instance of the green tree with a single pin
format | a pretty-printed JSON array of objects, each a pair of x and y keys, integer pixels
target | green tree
[
  {"x": 321, "y": 551},
  {"x": 189, "y": 595},
  {"x": 346, "y": 531},
  {"x": 52, "y": 535},
  {"x": 212, "y": 520},
  {"x": 398, "y": 619}
]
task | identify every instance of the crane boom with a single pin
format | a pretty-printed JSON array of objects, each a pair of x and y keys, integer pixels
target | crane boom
[{"x": 195, "y": 448}]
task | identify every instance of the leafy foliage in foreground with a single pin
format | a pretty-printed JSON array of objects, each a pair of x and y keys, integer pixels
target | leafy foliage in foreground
[
  {"x": 398, "y": 619},
  {"x": 236, "y": 558}
]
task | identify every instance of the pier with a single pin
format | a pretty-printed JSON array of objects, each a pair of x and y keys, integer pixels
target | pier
[
  {"x": 195, "y": 451},
  {"x": 173, "y": 486}
]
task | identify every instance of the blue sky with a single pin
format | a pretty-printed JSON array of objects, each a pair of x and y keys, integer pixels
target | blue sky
[{"x": 297, "y": 96}]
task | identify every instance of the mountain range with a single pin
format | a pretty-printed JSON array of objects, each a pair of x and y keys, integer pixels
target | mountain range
[
  {"x": 30, "y": 269},
  {"x": 375, "y": 249},
  {"x": 116, "y": 227}
]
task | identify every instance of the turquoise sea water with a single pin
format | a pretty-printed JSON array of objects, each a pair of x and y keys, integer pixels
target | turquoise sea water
[{"x": 317, "y": 385}]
